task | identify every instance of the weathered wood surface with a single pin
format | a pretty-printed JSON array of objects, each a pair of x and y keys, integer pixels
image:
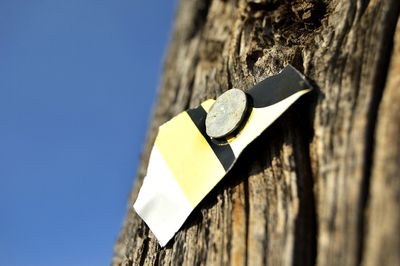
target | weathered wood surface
[
  {"x": 322, "y": 185},
  {"x": 383, "y": 236}
]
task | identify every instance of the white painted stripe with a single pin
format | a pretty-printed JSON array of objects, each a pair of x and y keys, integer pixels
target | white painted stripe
[
  {"x": 161, "y": 202},
  {"x": 259, "y": 120}
]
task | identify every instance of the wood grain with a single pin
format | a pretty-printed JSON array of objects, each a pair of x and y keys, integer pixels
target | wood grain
[
  {"x": 383, "y": 217},
  {"x": 321, "y": 185}
]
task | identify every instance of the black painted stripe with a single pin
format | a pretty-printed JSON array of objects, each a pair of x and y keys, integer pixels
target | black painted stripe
[
  {"x": 277, "y": 88},
  {"x": 224, "y": 153}
]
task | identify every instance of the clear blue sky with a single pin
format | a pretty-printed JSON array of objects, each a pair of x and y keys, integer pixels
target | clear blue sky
[{"x": 77, "y": 82}]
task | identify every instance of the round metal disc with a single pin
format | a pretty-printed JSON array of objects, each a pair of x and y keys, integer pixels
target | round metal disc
[{"x": 226, "y": 114}]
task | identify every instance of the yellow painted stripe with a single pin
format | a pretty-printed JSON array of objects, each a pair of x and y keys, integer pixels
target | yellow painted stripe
[
  {"x": 207, "y": 104},
  {"x": 191, "y": 160}
]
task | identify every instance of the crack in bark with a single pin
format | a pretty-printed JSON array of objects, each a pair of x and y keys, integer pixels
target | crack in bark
[
  {"x": 379, "y": 85},
  {"x": 247, "y": 213},
  {"x": 145, "y": 249},
  {"x": 306, "y": 230}
]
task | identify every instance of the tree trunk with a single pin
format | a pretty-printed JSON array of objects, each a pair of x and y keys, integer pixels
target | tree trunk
[{"x": 322, "y": 184}]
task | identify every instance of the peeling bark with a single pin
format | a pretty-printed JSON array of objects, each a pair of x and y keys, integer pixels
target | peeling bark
[{"x": 321, "y": 185}]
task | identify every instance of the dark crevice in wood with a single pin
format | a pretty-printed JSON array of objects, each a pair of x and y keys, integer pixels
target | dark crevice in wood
[
  {"x": 190, "y": 91},
  {"x": 298, "y": 61},
  {"x": 265, "y": 246},
  {"x": 382, "y": 67},
  {"x": 247, "y": 213},
  {"x": 306, "y": 223},
  {"x": 335, "y": 62},
  {"x": 199, "y": 18},
  {"x": 157, "y": 258},
  {"x": 252, "y": 58},
  {"x": 229, "y": 242},
  {"x": 179, "y": 248},
  {"x": 229, "y": 77},
  {"x": 362, "y": 8},
  {"x": 267, "y": 5},
  {"x": 145, "y": 247}
]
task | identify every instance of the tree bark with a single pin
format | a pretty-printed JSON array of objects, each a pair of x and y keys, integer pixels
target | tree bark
[{"x": 321, "y": 186}]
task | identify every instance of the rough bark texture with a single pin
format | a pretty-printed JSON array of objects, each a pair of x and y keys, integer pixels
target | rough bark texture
[{"x": 322, "y": 184}]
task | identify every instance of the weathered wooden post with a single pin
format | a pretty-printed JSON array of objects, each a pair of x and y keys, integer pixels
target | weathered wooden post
[{"x": 322, "y": 185}]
